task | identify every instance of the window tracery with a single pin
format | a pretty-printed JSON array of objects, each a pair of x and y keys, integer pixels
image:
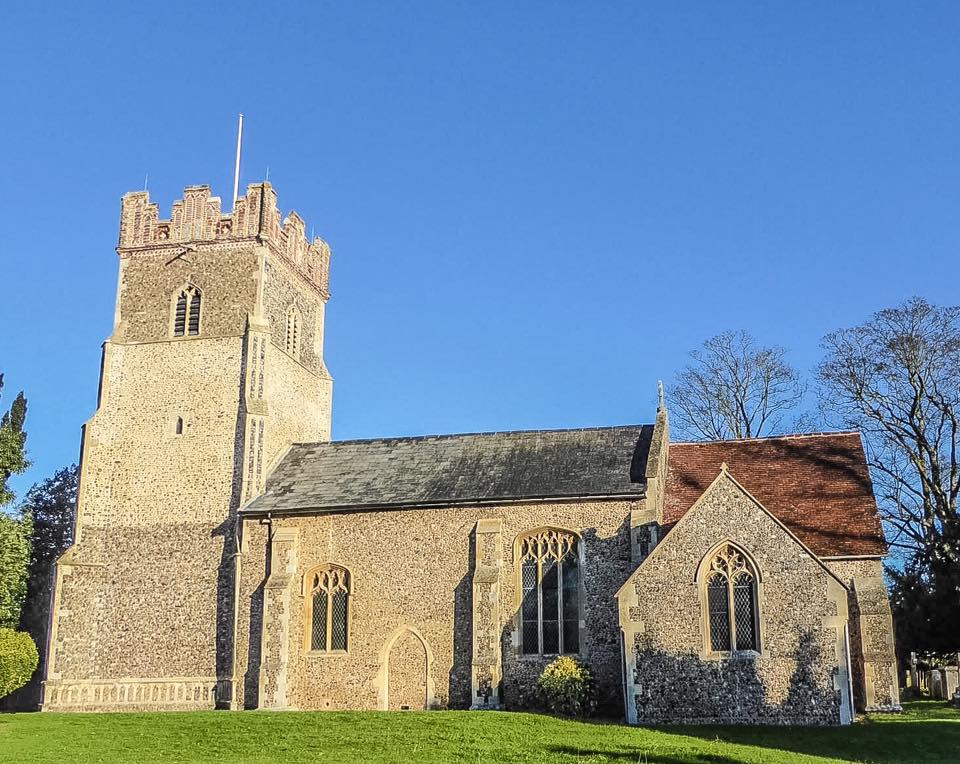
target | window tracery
[
  {"x": 550, "y": 586},
  {"x": 731, "y": 601},
  {"x": 327, "y": 605}
]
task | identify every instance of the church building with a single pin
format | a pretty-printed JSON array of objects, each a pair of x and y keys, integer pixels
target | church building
[{"x": 229, "y": 554}]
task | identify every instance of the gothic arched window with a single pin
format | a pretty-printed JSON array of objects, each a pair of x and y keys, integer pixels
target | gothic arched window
[
  {"x": 292, "y": 343},
  {"x": 186, "y": 315},
  {"x": 327, "y": 608},
  {"x": 550, "y": 586},
  {"x": 731, "y": 601}
]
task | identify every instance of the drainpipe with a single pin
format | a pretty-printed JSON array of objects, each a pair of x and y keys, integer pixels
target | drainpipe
[{"x": 236, "y": 558}]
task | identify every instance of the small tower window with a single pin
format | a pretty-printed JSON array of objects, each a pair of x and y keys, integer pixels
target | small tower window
[
  {"x": 186, "y": 315},
  {"x": 178, "y": 428},
  {"x": 292, "y": 342}
]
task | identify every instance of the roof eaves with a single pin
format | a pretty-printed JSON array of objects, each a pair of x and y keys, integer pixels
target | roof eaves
[{"x": 251, "y": 511}]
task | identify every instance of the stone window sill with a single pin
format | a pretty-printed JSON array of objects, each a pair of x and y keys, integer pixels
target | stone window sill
[
  {"x": 327, "y": 653},
  {"x": 737, "y": 655},
  {"x": 546, "y": 656}
]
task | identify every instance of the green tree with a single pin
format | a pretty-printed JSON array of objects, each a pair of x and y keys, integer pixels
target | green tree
[
  {"x": 14, "y": 531},
  {"x": 13, "y": 444},
  {"x": 51, "y": 506},
  {"x": 14, "y": 561}
]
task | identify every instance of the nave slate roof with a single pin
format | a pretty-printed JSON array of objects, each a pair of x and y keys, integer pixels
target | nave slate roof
[
  {"x": 459, "y": 469},
  {"x": 818, "y": 485}
]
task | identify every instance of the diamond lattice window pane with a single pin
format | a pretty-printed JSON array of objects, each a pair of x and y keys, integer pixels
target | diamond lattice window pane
[
  {"x": 551, "y": 636},
  {"x": 338, "y": 628},
  {"x": 719, "y": 615},
  {"x": 531, "y": 642},
  {"x": 743, "y": 604},
  {"x": 551, "y": 592},
  {"x": 571, "y": 588},
  {"x": 571, "y": 636},
  {"x": 529, "y": 607},
  {"x": 318, "y": 633}
]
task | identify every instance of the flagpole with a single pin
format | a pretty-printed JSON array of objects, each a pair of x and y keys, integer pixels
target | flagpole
[{"x": 236, "y": 167}]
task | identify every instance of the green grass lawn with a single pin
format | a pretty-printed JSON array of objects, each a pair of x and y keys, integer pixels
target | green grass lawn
[{"x": 927, "y": 731}]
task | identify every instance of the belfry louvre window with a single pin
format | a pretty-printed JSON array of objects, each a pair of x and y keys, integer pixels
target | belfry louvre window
[
  {"x": 186, "y": 315},
  {"x": 292, "y": 344},
  {"x": 731, "y": 599},
  {"x": 328, "y": 608},
  {"x": 550, "y": 582}
]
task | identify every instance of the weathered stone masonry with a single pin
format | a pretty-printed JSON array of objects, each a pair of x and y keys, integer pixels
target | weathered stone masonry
[
  {"x": 185, "y": 428},
  {"x": 412, "y": 569},
  {"x": 210, "y": 496},
  {"x": 800, "y": 673}
]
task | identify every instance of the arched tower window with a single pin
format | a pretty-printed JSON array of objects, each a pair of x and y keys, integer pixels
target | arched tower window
[
  {"x": 327, "y": 608},
  {"x": 292, "y": 344},
  {"x": 550, "y": 585},
  {"x": 186, "y": 315},
  {"x": 731, "y": 600}
]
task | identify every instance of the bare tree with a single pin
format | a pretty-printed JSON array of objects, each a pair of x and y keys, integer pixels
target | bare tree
[
  {"x": 896, "y": 378},
  {"x": 735, "y": 388}
]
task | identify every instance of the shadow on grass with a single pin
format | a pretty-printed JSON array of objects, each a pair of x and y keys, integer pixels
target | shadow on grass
[
  {"x": 925, "y": 732},
  {"x": 933, "y": 735},
  {"x": 643, "y": 757}
]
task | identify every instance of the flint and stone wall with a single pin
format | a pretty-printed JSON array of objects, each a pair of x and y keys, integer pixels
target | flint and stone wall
[
  {"x": 799, "y": 675},
  {"x": 424, "y": 613},
  {"x": 872, "y": 648},
  {"x": 143, "y": 601}
]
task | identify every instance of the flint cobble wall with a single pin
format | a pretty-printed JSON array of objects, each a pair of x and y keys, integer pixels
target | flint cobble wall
[
  {"x": 799, "y": 673},
  {"x": 413, "y": 568},
  {"x": 283, "y": 289},
  {"x": 149, "y": 283},
  {"x": 137, "y": 470},
  {"x": 143, "y": 607}
]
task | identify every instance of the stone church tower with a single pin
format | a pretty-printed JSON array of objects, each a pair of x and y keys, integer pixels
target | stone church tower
[{"x": 214, "y": 367}]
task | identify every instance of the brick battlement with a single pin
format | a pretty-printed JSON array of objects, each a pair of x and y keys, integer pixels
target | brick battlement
[{"x": 198, "y": 218}]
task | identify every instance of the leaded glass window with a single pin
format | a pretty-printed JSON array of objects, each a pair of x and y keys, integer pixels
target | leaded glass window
[
  {"x": 550, "y": 586},
  {"x": 186, "y": 314},
  {"x": 731, "y": 597},
  {"x": 328, "y": 604},
  {"x": 719, "y": 613}
]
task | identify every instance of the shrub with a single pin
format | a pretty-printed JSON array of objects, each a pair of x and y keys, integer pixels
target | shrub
[
  {"x": 18, "y": 660},
  {"x": 566, "y": 687}
]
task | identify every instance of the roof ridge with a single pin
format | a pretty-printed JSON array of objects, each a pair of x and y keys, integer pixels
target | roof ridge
[
  {"x": 788, "y": 436},
  {"x": 487, "y": 433}
]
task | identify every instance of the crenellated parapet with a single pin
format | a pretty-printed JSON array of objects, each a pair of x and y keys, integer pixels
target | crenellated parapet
[{"x": 197, "y": 218}]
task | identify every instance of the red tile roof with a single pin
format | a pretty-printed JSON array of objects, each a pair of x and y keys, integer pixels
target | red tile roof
[{"x": 817, "y": 485}]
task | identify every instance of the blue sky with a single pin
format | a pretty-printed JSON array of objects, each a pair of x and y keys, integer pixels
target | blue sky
[{"x": 536, "y": 209}]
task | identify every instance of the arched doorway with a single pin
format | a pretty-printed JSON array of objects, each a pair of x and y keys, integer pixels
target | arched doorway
[
  {"x": 407, "y": 674},
  {"x": 404, "y": 677}
]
